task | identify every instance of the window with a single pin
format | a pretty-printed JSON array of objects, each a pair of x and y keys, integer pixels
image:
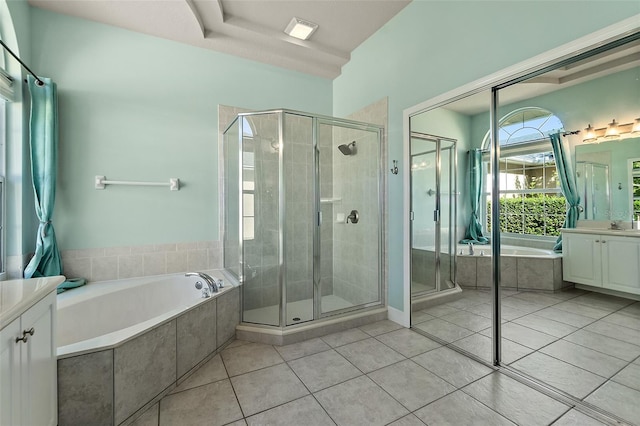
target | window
[
  {"x": 635, "y": 185},
  {"x": 6, "y": 95},
  {"x": 531, "y": 201}
]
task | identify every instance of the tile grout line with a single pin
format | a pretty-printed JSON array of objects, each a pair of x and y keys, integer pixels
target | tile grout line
[{"x": 562, "y": 338}]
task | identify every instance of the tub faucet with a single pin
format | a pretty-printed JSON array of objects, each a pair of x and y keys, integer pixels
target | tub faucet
[
  {"x": 470, "y": 249},
  {"x": 212, "y": 285},
  {"x": 616, "y": 224}
]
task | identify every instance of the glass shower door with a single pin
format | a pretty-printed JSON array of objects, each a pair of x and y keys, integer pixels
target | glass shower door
[
  {"x": 300, "y": 207},
  {"x": 260, "y": 221},
  {"x": 433, "y": 209},
  {"x": 424, "y": 271},
  {"x": 448, "y": 194},
  {"x": 348, "y": 161}
]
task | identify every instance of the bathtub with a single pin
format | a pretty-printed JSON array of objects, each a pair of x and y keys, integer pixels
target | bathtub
[
  {"x": 123, "y": 344},
  {"x": 507, "y": 251},
  {"x": 521, "y": 268}
]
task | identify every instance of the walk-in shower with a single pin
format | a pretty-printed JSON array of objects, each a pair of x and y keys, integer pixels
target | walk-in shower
[
  {"x": 289, "y": 231},
  {"x": 434, "y": 211}
]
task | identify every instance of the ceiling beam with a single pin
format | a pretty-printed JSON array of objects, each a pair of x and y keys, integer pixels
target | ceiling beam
[{"x": 196, "y": 15}]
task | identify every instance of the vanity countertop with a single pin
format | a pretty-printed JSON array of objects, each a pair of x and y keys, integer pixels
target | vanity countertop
[
  {"x": 16, "y": 296},
  {"x": 604, "y": 231}
]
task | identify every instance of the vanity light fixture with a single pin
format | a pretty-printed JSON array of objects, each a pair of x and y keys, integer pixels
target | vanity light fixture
[
  {"x": 614, "y": 130},
  {"x": 590, "y": 134},
  {"x": 300, "y": 28}
]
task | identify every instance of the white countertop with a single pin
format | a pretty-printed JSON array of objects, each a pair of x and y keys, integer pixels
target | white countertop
[
  {"x": 16, "y": 296},
  {"x": 604, "y": 231}
]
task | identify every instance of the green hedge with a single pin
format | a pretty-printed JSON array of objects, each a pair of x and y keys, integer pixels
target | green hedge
[{"x": 538, "y": 216}]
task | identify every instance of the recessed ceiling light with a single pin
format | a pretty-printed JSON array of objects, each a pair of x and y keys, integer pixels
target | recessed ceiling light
[{"x": 300, "y": 28}]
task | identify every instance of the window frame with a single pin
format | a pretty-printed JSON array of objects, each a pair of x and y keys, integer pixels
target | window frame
[{"x": 534, "y": 146}]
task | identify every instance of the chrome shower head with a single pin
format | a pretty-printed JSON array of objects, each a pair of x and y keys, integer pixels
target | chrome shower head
[{"x": 348, "y": 149}]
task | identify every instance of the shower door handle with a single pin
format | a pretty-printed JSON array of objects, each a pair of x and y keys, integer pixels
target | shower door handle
[{"x": 436, "y": 215}]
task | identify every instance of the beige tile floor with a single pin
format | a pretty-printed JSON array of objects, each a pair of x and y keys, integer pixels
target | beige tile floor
[
  {"x": 582, "y": 343},
  {"x": 379, "y": 374}
]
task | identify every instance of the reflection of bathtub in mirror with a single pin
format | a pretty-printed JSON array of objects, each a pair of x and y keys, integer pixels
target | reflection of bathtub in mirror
[{"x": 592, "y": 162}]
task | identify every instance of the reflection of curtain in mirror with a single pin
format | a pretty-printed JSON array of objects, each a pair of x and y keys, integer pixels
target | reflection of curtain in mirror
[
  {"x": 474, "y": 230},
  {"x": 567, "y": 184}
]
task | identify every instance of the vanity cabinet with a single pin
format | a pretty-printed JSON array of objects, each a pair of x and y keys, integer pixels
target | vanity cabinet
[
  {"x": 28, "y": 367},
  {"x": 602, "y": 260}
]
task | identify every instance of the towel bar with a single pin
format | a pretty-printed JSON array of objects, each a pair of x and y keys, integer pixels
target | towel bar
[{"x": 101, "y": 182}]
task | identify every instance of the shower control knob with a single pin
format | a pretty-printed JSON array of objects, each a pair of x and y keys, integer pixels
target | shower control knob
[{"x": 353, "y": 217}]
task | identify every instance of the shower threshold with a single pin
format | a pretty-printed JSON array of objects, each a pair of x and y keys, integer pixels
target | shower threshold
[
  {"x": 307, "y": 328},
  {"x": 299, "y": 311}
]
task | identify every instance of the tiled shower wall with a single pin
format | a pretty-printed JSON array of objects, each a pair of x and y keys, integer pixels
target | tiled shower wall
[
  {"x": 355, "y": 246},
  {"x": 356, "y": 259}
]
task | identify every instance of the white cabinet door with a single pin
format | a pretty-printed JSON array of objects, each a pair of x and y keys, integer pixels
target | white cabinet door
[
  {"x": 582, "y": 260},
  {"x": 10, "y": 409},
  {"x": 39, "y": 365},
  {"x": 621, "y": 263}
]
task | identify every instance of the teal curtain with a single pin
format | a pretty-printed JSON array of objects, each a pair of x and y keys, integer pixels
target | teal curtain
[
  {"x": 567, "y": 185},
  {"x": 474, "y": 230},
  {"x": 43, "y": 126}
]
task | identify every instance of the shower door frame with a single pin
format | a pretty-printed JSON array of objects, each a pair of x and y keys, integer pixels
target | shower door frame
[
  {"x": 317, "y": 120},
  {"x": 317, "y": 284},
  {"x": 453, "y": 212}
]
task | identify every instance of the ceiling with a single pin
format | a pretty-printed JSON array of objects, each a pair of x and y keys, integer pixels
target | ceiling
[
  {"x": 251, "y": 29},
  {"x": 611, "y": 61}
]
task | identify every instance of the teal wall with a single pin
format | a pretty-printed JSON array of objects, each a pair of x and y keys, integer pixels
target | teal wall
[
  {"x": 136, "y": 107},
  {"x": 594, "y": 102},
  {"x": 431, "y": 47}
]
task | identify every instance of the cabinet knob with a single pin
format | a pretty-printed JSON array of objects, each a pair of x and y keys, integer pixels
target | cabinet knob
[
  {"x": 604, "y": 241},
  {"x": 597, "y": 241},
  {"x": 25, "y": 335}
]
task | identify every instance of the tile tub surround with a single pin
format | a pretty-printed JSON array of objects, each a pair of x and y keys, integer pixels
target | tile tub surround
[
  {"x": 521, "y": 273},
  {"x": 111, "y": 263},
  {"x": 112, "y": 386}
]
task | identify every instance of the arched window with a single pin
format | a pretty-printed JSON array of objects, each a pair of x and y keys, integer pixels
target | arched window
[{"x": 531, "y": 202}]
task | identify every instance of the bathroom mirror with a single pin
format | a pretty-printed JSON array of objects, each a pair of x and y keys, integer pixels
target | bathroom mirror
[{"x": 607, "y": 179}]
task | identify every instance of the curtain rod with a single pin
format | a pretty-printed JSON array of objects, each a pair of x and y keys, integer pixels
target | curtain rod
[{"x": 39, "y": 82}]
